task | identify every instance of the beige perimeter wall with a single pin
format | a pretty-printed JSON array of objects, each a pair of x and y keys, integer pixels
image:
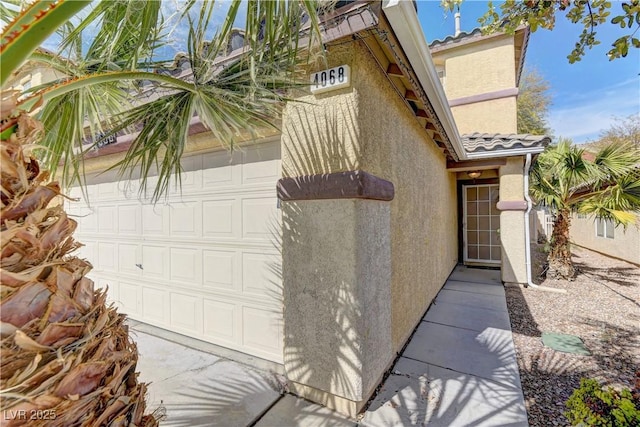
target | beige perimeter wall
[
  {"x": 625, "y": 244},
  {"x": 368, "y": 127}
]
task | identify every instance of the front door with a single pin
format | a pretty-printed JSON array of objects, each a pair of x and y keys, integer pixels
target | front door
[{"x": 481, "y": 225}]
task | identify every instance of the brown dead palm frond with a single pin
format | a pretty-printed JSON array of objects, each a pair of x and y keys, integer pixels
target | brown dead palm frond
[{"x": 65, "y": 354}]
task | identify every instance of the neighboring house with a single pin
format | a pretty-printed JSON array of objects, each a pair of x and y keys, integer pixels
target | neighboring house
[
  {"x": 603, "y": 236},
  {"x": 384, "y": 182},
  {"x": 31, "y": 76}
]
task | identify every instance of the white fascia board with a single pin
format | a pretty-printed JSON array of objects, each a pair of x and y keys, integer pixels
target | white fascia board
[
  {"x": 511, "y": 152},
  {"x": 402, "y": 16}
]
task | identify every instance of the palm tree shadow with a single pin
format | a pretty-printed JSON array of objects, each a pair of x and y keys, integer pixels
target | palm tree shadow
[
  {"x": 224, "y": 402},
  {"x": 418, "y": 393},
  {"x": 323, "y": 143},
  {"x": 622, "y": 276}
]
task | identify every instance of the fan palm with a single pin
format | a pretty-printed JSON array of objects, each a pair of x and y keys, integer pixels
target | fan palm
[
  {"x": 605, "y": 185},
  {"x": 66, "y": 356}
]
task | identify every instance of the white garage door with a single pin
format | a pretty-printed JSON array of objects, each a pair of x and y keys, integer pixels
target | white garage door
[{"x": 205, "y": 262}]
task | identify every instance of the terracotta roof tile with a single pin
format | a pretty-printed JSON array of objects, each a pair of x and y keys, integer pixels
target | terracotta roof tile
[{"x": 482, "y": 142}]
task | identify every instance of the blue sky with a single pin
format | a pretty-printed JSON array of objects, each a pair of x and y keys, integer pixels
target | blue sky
[{"x": 586, "y": 95}]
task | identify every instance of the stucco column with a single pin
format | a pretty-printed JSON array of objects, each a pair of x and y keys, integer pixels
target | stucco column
[
  {"x": 336, "y": 265},
  {"x": 512, "y": 205}
]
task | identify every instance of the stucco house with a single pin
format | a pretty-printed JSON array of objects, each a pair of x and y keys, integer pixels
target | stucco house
[
  {"x": 319, "y": 247},
  {"x": 603, "y": 236}
]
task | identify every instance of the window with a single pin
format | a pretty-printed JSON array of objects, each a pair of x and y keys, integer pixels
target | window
[
  {"x": 604, "y": 228},
  {"x": 582, "y": 216},
  {"x": 26, "y": 82}
]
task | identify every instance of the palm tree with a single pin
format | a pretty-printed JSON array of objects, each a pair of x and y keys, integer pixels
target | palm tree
[
  {"x": 102, "y": 92},
  {"x": 605, "y": 185},
  {"x": 67, "y": 359}
]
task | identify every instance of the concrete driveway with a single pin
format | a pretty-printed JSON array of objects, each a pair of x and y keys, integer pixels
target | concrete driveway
[{"x": 197, "y": 388}]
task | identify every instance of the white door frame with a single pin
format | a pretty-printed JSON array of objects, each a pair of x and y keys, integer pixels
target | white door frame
[{"x": 465, "y": 243}]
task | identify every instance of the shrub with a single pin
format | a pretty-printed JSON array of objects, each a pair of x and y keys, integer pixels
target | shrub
[{"x": 591, "y": 405}]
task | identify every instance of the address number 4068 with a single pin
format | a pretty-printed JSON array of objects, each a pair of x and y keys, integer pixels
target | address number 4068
[{"x": 330, "y": 79}]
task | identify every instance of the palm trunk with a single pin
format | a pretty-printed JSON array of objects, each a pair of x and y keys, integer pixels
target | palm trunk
[
  {"x": 560, "y": 265},
  {"x": 67, "y": 359}
]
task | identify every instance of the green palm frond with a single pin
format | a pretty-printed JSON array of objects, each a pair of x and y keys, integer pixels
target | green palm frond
[
  {"x": 30, "y": 28},
  {"x": 128, "y": 31},
  {"x": 617, "y": 160},
  {"x": 74, "y": 117},
  {"x": 102, "y": 93},
  {"x": 159, "y": 146},
  {"x": 608, "y": 187}
]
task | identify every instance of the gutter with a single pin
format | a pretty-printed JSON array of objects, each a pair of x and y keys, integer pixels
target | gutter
[
  {"x": 505, "y": 153},
  {"x": 404, "y": 21}
]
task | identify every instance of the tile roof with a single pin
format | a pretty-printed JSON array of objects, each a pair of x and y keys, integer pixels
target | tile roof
[
  {"x": 483, "y": 142},
  {"x": 449, "y": 39}
]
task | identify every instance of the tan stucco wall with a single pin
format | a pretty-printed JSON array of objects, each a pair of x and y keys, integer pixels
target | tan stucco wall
[
  {"x": 476, "y": 68},
  {"x": 481, "y": 68},
  {"x": 625, "y": 244},
  {"x": 337, "y": 316},
  {"x": 424, "y": 247},
  {"x": 368, "y": 127},
  {"x": 494, "y": 116},
  {"x": 512, "y": 223}
]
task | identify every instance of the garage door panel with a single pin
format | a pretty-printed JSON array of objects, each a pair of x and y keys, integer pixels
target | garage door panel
[
  {"x": 155, "y": 220},
  {"x": 88, "y": 252},
  {"x": 107, "y": 219},
  {"x": 107, "y": 190},
  {"x": 81, "y": 197},
  {"x": 260, "y": 275},
  {"x": 185, "y": 219},
  {"x": 129, "y": 220},
  {"x": 155, "y": 262},
  {"x": 129, "y": 189},
  {"x": 129, "y": 295},
  {"x": 104, "y": 283},
  {"x": 147, "y": 194},
  {"x": 186, "y": 312},
  {"x": 106, "y": 257},
  {"x": 190, "y": 178},
  {"x": 221, "y": 219},
  {"x": 261, "y": 164},
  {"x": 155, "y": 305},
  {"x": 260, "y": 218},
  {"x": 186, "y": 266},
  {"x": 83, "y": 215},
  {"x": 129, "y": 259},
  {"x": 220, "y": 269},
  {"x": 220, "y": 321},
  {"x": 261, "y": 330},
  {"x": 221, "y": 169}
]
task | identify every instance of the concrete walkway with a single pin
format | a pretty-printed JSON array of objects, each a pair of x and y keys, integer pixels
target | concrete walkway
[{"x": 459, "y": 369}]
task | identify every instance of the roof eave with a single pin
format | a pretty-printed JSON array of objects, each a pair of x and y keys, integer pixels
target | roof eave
[
  {"x": 404, "y": 21},
  {"x": 510, "y": 152}
]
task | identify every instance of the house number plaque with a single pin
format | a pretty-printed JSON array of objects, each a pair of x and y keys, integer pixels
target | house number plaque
[{"x": 333, "y": 78}]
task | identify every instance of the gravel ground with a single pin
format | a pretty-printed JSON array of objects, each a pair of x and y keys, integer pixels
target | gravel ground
[{"x": 601, "y": 306}]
